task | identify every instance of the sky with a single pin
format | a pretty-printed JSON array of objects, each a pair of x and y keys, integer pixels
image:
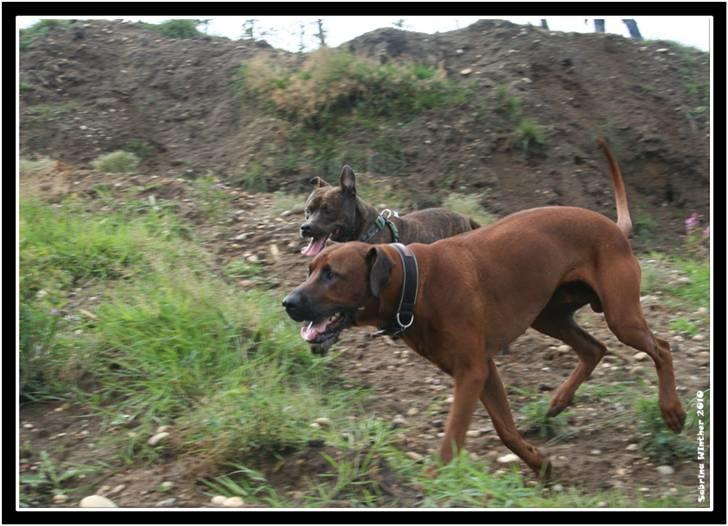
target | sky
[{"x": 284, "y": 31}]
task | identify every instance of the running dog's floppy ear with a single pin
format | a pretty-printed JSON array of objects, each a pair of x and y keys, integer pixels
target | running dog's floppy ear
[
  {"x": 318, "y": 182},
  {"x": 380, "y": 267}
]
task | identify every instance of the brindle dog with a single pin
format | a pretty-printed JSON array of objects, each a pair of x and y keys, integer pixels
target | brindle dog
[{"x": 337, "y": 213}]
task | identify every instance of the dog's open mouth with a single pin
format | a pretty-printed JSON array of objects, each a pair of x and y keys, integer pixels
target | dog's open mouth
[
  {"x": 326, "y": 330},
  {"x": 317, "y": 244}
]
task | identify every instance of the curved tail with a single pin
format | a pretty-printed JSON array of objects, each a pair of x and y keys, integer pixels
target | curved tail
[{"x": 624, "y": 222}]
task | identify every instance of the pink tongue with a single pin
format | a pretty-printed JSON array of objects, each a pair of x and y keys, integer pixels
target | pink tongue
[
  {"x": 310, "y": 332},
  {"x": 314, "y": 246}
]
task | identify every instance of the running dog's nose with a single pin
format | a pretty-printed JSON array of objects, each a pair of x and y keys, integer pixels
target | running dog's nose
[
  {"x": 306, "y": 230},
  {"x": 293, "y": 303}
]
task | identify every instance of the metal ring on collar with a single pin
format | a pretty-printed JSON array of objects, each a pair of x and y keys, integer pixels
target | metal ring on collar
[{"x": 402, "y": 325}]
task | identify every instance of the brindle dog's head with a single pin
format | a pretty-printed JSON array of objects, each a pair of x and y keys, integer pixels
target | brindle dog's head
[
  {"x": 330, "y": 212},
  {"x": 343, "y": 288}
]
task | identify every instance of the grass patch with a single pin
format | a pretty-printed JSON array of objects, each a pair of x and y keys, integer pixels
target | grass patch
[
  {"x": 657, "y": 441},
  {"x": 536, "y": 423},
  {"x": 179, "y": 28},
  {"x": 119, "y": 161},
  {"x": 334, "y": 83},
  {"x": 169, "y": 343},
  {"x": 212, "y": 200},
  {"x": 254, "y": 179},
  {"x": 510, "y": 106},
  {"x": 40, "y": 29},
  {"x": 29, "y": 166},
  {"x": 645, "y": 226},
  {"x": 238, "y": 269},
  {"x": 684, "y": 282},
  {"x": 684, "y": 326},
  {"x": 52, "y": 111},
  {"x": 244, "y": 482},
  {"x": 53, "y": 478},
  {"x": 469, "y": 206},
  {"x": 140, "y": 148},
  {"x": 529, "y": 135}
]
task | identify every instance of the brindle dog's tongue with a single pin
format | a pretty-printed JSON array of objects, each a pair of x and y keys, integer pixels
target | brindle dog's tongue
[{"x": 314, "y": 246}]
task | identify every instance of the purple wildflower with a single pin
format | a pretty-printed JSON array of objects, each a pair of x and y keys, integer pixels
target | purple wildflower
[{"x": 692, "y": 221}]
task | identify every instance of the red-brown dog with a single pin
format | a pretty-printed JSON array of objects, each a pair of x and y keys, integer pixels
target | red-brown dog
[{"x": 480, "y": 290}]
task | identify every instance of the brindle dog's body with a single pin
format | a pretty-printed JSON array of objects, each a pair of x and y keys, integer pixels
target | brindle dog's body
[
  {"x": 479, "y": 291},
  {"x": 339, "y": 214}
]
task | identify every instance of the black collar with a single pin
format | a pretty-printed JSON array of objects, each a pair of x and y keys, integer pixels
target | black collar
[{"x": 410, "y": 283}]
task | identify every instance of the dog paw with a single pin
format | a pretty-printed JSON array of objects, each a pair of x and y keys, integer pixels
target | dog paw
[
  {"x": 545, "y": 471},
  {"x": 674, "y": 416},
  {"x": 557, "y": 405}
]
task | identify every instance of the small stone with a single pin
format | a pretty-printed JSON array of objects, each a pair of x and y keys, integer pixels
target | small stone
[
  {"x": 473, "y": 433},
  {"x": 60, "y": 499},
  {"x": 637, "y": 369},
  {"x": 596, "y": 452},
  {"x": 459, "y": 51},
  {"x": 314, "y": 425},
  {"x": 640, "y": 356},
  {"x": 563, "y": 348},
  {"x": 167, "y": 485},
  {"x": 252, "y": 259},
  {"x": 414, "y": 456},
  {"x": 166, "y": 503},
  {"x": 274, "y": 252},
  {"x": 507, "y": 459},
  {"x": 323, "y": 421},
  {"x": 699, "y": 337},
  {"x": 117, "y": 489},
  {"x": 218, "y": 500},
  {"x": 162, "y": 429},
  {"x": 97, "y": 501},
  {"x": 632, "y": 447},
  {"x": 156, "y": 439},
  {"x": 28, "y": 426},
  {"x": 412, "y": 411},
  {"x": 399, "y": 420},
  {"x": 662, "y": 50},
  {"x": 665, "y": 470},
  {"x": 558, "y": 488},
  {"x": 465, "y": 72},
  {"x": 233, "y": 502}
]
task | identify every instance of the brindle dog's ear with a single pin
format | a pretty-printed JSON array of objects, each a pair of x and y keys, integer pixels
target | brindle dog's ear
[
  {"x": 380, "y": 267},
  {"x": 318, "y": 182},
  {"x": 347, "y": 179}
]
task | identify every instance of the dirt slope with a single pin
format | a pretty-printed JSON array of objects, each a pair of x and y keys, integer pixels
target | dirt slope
[{"x": 92, "y": 87}]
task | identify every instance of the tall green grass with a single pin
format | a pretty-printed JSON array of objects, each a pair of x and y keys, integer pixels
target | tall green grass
[{"x": 170, "y": 342}]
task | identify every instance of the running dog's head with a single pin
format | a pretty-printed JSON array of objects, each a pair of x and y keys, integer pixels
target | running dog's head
[{"x": 344, "y": 287}]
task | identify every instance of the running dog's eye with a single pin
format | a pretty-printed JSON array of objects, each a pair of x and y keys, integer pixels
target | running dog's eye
[{"x": 327, "y": 273}]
